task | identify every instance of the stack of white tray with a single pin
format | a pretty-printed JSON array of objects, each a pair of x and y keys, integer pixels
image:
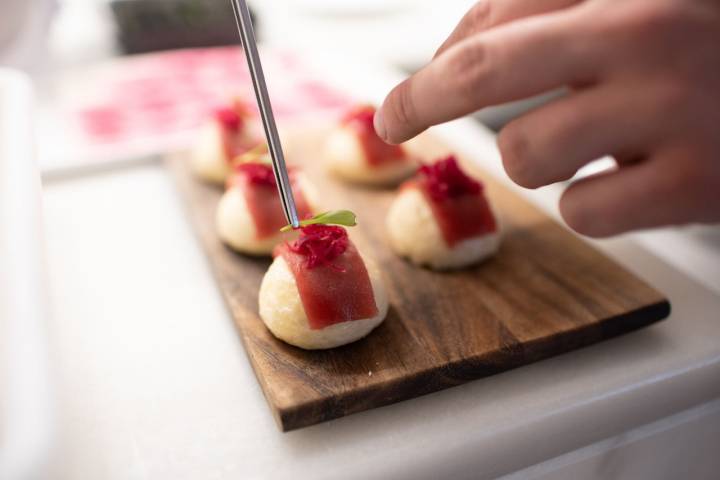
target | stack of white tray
[{"x": 25, "y": 396}]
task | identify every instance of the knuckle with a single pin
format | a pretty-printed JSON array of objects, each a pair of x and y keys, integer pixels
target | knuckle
[
  {"x": 480, "y": 15},
  {"x": 477, "y": 19},
  {"x": 515, "y": 149},
  {"x": 668, "y": 97},
  {"x": 670, "y": 177},
  {"x": 648, "y": 19},
  {"x": 645, "y": 31},
  {"x": 680, "y": 174},
  {"x": 674, "y": 96},
  {"x": 685, "y": 178},
  {"x": 707, "y": 180},
  {"x": 468, "y": 69},
  {"x": 709, "y": 199},
  {"x": 653, "y": 16}
]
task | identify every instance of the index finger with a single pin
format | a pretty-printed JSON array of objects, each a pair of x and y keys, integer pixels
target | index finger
[{"x": 513, "y": 61}]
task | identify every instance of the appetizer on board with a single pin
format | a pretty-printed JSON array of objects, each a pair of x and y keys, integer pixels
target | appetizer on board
[
  {"x": 442, "y": 219},
  {"x": 249, "y": 215},
  {"x": 231, "y": 132},
  {"x": 320, "y": 291},
  {"x": 354, "y": 152}
]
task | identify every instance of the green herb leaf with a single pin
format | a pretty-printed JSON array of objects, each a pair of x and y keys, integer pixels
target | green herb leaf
[
  {"x": 333, "y": 217},
  {"x": 257, "y": 154},
  {"x": 265, "y": 159}
]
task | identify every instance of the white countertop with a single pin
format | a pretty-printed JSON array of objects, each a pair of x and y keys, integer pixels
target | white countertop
[
  {"x": 26, "y": 417},
  {"x": 154, "y": 383}
]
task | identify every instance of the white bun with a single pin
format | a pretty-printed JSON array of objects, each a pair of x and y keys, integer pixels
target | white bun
[
  {"x": 282, "y": 311},
  {"x": 345, "y": 158},
  {"x": 235, "y": 225},
  {"x": 415, "y": 234},
  {"x": 208, "y": 157}
]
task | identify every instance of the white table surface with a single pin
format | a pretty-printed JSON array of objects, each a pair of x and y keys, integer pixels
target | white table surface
[
  {"x": 154, "y": 383},
  {"x": 26, "y": 418}
]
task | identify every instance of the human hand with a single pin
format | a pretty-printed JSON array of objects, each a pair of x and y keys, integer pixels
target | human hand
[{"x": 644, "y": 86}]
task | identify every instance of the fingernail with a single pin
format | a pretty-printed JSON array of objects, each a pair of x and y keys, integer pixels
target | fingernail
[{"x": 379, "y": 125}]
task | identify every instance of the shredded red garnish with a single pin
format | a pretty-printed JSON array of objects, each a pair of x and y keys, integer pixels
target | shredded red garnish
[
  {"x": 456, "y": 200},
  {"x": 234, "y": 136},
  {"x": 445, "y": 179},
  {"x": 229, "y": 118},
  {"x": 320, "y": 244},
  {"x": 362, "y": 114},
  {"x": 232, "y": 117},
  {"x": 256, "y": 173}
]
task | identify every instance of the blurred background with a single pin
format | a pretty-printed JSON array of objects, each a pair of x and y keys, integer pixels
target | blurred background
[{"x": 113, "y": 81}]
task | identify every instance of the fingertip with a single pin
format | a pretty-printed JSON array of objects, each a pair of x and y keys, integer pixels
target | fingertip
[
  {"x": 570, "y": 214},
  {"x": 379, "y": 125},
  {"x": 397, "y": 117},
  {"x": 386, "y": 127},
  {"x": 583, "y": 218},
  {"x": 515, "y": 152}
]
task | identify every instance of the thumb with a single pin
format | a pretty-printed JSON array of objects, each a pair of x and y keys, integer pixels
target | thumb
[{"x": 397, "y": 119}]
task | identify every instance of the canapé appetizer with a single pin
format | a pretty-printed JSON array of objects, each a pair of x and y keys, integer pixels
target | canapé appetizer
[
  {"x": 355, "y": 153},
  {"x": 231, "y": 132},
  {"x": 249, "y": 215},
  {"x": 442, "y": 219},
  {"x": 320, "y": 291}
]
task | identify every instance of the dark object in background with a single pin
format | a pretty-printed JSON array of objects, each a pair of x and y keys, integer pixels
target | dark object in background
[{"x": 149, "y": 25}]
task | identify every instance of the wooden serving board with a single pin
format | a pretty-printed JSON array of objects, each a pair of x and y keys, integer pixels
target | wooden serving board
[{"x": 546, "y": 292}]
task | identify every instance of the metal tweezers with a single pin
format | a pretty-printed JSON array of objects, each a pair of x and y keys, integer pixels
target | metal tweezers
[{"x": 247, "y": 36}]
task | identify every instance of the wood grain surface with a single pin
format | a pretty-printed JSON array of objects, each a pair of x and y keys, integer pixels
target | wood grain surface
[{"x": 546, "y": 292}]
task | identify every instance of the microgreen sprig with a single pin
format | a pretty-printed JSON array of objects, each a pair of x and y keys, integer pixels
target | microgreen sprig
[
  {"x": 345, "y": 218},
  {"x": 257, "y": 154}
]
